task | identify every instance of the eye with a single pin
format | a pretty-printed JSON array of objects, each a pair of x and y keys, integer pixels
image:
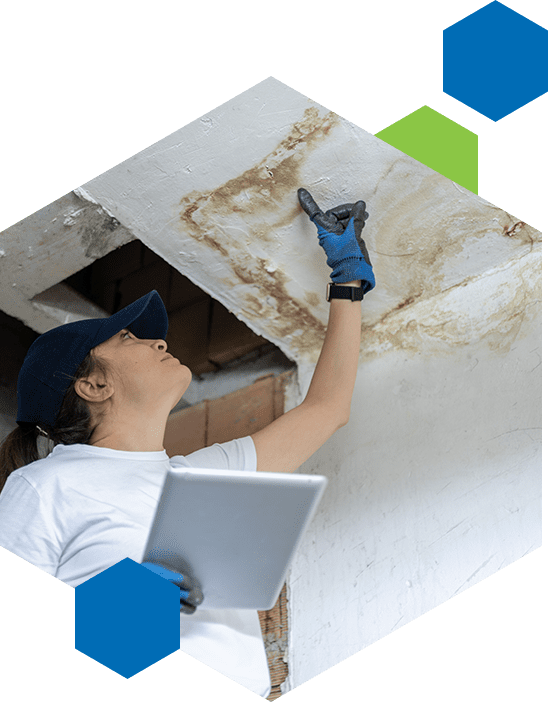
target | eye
[{"x": 125, "y": 333}]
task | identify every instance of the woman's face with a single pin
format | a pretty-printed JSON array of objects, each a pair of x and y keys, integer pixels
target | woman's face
[{"x": 145, "y": 378}]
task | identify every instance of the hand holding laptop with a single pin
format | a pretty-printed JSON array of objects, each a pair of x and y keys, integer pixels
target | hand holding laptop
[{"x": 191, "y": 592}]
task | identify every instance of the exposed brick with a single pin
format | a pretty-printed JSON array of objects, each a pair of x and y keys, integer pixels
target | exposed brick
[
  {"x": 230, "y": 337},
  {"x": 187, "y": 337},
  {"x": 141, "y": 282},
  {"x": 183, "y": 292},
  {"x": 186, "y": 430},
  {"x": 116, "y": 265}
]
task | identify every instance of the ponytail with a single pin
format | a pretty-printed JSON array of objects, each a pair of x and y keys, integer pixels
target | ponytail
[{"x": 74, "y": 425}]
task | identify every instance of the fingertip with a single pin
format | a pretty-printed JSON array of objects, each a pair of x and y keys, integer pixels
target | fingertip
[{"x": 358, "y": 211}]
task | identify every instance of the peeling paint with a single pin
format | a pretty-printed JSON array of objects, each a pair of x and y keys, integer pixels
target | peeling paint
[
  {"x": 83, "y": 194},
  {"x": 71, "y": 218},
  {"x": 95, "y": 227}
]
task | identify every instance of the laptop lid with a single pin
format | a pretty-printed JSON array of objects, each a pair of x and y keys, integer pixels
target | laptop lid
[{"x": 235, "y": 531}]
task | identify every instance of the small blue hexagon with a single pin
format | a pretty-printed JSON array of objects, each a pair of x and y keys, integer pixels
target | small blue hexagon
[
  {"x": 495, "y": 61},
  {"x": 127, "y": 618}
]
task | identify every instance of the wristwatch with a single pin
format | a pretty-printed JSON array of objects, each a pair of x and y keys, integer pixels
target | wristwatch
[{"x": 343, "y": 292}]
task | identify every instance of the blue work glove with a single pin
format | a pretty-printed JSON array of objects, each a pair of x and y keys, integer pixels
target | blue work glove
[
  {"x": 339, "y": 233},
  {"x": 191, "y": 592}
]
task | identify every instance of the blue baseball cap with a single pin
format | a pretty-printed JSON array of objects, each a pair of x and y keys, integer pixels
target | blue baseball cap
[{"x": 54, "y": 357}]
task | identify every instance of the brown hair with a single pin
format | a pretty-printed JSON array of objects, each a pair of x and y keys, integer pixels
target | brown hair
[{"x": 74, "y": 424}]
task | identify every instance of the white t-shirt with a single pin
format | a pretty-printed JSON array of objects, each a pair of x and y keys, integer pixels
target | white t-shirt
[{"x": 84, "y": 508}]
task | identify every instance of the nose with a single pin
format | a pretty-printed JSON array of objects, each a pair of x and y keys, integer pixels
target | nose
[{"x": 160, "y": 344}]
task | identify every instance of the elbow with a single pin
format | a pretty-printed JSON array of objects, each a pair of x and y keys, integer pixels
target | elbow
[{"x": 343, "y": 421}]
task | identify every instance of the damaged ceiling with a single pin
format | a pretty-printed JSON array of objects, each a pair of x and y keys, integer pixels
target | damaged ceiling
[
  {"x": 434, "y": 483},
  {"x": 217, "y": 200}
]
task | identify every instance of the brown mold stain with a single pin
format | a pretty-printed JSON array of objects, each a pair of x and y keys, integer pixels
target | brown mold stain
[
  {"x": 521, "y": 233},
  {"x": 434, "y": 326},
  {"x": 262, "y": 189},
  {"x": 289, "y": 314},
  {"x": 429, "y": 226},
  {"x": 414, "y": 237},
  {"x": 257, "y": 204},
  {"x": 312, "y": 299},
  {"x": 419, "y": 234}
]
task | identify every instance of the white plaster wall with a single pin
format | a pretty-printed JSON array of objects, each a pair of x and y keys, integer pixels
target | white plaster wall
[
  {"x": 435, "y": 481},
  {"x": 434, "y": 485}
]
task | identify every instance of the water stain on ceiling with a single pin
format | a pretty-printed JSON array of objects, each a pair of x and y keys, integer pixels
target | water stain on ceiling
[
  {"x": 428, "y": 239},
  {"x": 242, "y": 219}
]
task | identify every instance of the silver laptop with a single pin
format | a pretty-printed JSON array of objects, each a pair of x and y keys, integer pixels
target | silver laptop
[{"x": 235, "y": 531}]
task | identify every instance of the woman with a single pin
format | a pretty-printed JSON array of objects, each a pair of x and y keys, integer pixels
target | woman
[{"x": 102, "y": 391}]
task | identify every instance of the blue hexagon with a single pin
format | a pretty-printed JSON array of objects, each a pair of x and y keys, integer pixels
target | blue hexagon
[
  {"x": 495, "y": 61},
  {"x": 127, "y": 618}
]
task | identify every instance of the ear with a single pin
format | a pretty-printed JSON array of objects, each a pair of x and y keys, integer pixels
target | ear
[{"x": 94, "y": 388}]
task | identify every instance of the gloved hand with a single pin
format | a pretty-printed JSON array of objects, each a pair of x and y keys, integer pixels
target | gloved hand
[
  {"x": 191, "y": 593},
  {"x": 339, "y": 233}
]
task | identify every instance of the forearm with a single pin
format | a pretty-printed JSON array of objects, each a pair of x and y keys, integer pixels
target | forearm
[{"x": 335, "y": 374}]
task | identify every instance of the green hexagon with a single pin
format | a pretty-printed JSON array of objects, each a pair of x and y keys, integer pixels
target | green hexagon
[{"x": 439, "y": 143}]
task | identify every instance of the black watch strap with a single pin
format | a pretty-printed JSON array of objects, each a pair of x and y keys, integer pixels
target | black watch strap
[{"x": 344, "y": 292}]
